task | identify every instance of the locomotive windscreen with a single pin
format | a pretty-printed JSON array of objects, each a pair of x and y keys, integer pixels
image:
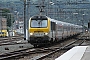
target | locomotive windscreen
[
  {"x": 39, "y": 22},
  {"x": 1, "y": 32}
]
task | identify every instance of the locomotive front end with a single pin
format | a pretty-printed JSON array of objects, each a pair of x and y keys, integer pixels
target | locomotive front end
[{"x": 39, "y": 28}]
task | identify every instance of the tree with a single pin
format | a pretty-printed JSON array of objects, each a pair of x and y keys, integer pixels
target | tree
[{"x": 6, "y": 13}]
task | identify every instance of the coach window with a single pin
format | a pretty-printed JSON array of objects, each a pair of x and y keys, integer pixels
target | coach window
[{"x": 53, "y": 25}]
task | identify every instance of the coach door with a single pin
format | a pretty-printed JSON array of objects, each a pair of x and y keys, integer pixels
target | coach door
[{"x": 53, "y": 30}]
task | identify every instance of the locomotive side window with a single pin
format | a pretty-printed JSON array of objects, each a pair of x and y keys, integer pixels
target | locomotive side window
[
  {"x": 59, "y": 27},
  {"x": 53, "y": 25}
]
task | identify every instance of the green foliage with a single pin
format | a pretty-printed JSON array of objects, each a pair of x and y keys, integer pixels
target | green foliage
[{"x": 6, "y": 10}]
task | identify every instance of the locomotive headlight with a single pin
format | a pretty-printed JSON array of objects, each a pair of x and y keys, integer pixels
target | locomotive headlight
[
  {"x": 31, "y": 33},
  {"x": 46, "y": 33},
  {"x": 86, "y": 30}
]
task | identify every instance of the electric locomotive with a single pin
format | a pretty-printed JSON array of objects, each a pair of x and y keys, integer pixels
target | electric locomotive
[{"x": 39, "y": 29}]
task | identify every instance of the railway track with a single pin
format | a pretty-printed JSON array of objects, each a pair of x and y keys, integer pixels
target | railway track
[
  {"x": 39, "y": 53},
  {"x": 48, "y": 53},
  {"x": 13, "y": 37},
  {"x": 59, "y": 49},
  {"x": 10, "y": 40}
]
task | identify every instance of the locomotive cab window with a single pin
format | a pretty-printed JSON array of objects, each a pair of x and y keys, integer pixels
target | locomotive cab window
[
  {"x": 38, "y": 23},
  {"x": 1, "y": 32}
]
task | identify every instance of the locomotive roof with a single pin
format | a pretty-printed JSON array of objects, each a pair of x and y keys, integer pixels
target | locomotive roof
[{"x": 38, "y": 17}]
